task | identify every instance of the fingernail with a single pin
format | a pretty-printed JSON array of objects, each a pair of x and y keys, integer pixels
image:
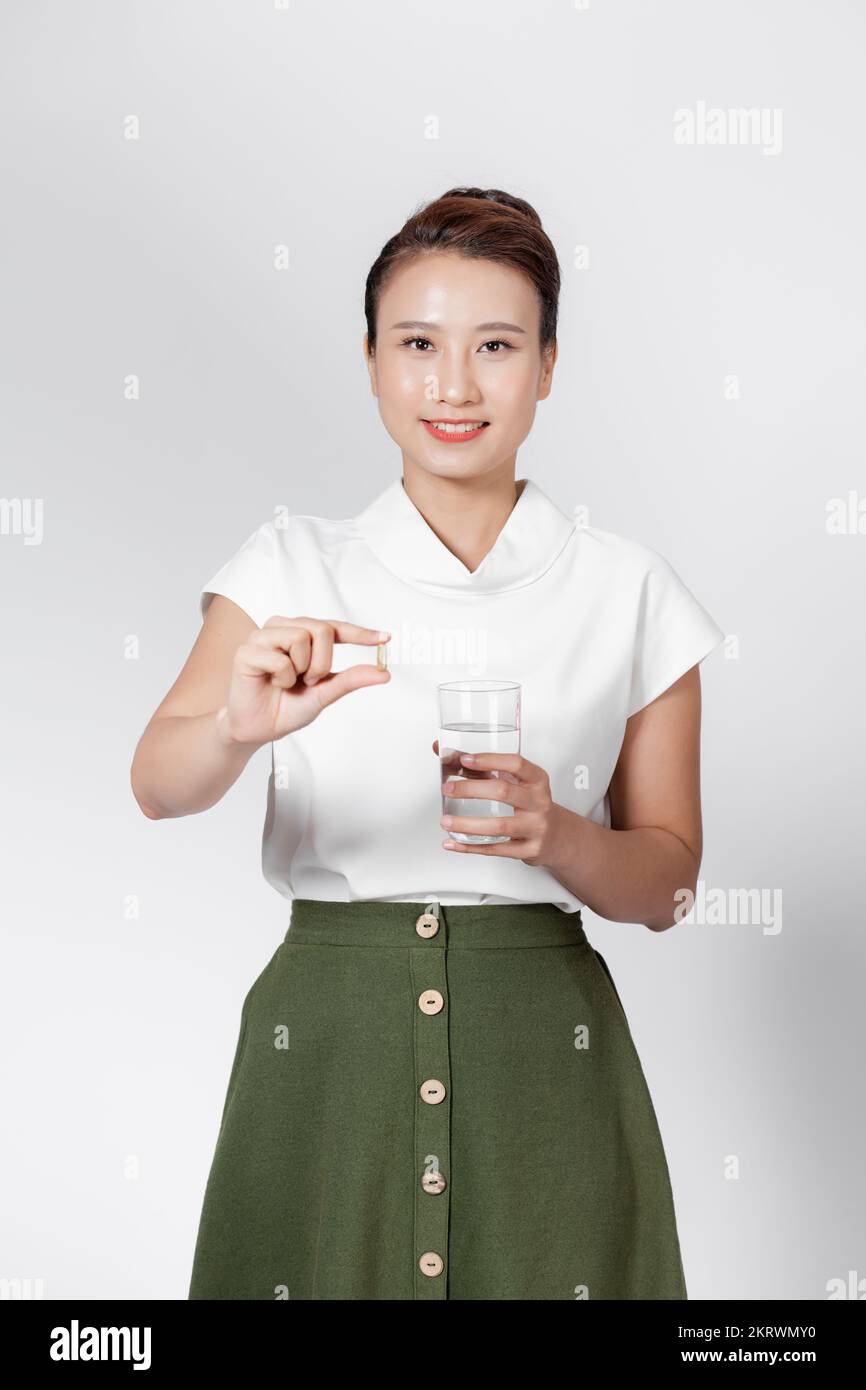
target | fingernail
[
  {"x": 467, "y": 758},
  {"x": 310, "y": 680},
  {"x": 383, "y": 636}
]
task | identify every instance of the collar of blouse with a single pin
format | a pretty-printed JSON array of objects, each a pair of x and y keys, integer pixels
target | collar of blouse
[{"x": 530, "y": 541}]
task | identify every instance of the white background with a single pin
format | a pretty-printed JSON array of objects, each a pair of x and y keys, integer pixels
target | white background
[{"x": 307, "y": 126}]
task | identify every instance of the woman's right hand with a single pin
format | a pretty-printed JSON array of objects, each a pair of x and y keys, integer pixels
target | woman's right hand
[{"x": 281, "y": 676}]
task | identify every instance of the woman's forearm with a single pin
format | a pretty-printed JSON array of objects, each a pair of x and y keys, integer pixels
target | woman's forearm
[
  {"x": 623, "y": 875},
  {"x": 185, "y": 763}
]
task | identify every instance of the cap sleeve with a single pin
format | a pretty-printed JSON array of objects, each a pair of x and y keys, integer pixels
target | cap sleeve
[
  {"x": 248, "y": 577},
  {"x": 674, "y": 632}
]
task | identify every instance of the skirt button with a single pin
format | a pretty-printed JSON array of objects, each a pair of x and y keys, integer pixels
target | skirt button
[
  {"x": 427, "y": 924},
  {"x": 431, "y": 1002},
  {"x": 433, "y": 1182},
  {"x": 431, "y": 1263},
  {"x": 432, "y": 1091}
]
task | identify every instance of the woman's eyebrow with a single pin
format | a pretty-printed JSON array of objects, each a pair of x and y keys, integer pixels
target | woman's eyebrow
[{"x": 479, "y": 327}]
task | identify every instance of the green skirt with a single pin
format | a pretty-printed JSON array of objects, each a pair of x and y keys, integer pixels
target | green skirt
[{"x": 432, "y": 1102}]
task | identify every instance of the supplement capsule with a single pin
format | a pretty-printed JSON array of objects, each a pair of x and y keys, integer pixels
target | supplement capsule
[{"x": 382, "y": 656}]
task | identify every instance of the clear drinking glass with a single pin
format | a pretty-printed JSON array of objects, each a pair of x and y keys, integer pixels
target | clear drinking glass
[{"x": 476, "y": 716}]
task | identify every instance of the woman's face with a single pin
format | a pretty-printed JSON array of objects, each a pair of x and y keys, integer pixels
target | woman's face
[{"x": 458, "y": 341}]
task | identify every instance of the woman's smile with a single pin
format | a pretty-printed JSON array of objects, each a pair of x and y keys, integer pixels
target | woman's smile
[{"x": 455, "y": 431}]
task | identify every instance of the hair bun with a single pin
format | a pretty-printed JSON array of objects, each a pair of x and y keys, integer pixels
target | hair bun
[{"x": 496, "y": 195}]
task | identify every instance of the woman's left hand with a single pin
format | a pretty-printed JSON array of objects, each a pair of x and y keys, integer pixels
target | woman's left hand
[{"x": 525, "y": 786}]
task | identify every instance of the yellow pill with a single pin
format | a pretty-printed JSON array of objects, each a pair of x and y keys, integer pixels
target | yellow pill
[{"x": 382, "y": 656}]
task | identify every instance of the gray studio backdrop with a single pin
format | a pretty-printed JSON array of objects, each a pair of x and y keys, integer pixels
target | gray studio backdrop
[{"x": 699, "y": 167}]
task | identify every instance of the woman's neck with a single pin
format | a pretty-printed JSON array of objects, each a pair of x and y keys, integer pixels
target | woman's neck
[{"x": 467, "y": 514}]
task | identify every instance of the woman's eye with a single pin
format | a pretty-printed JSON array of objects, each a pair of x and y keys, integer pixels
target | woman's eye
[
  {"x": 497, "y": 342},
  {"x": 407, "y": 341}
]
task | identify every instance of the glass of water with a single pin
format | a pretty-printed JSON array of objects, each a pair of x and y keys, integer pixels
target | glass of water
[{"x": 476, "y": 716}]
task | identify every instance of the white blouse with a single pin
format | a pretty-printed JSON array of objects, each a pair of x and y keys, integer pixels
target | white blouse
[{"x": 592, "y": 625}]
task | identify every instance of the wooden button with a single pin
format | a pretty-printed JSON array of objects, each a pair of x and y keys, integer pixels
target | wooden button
[
  {"x": 431, "y": 1263},
  {"x": 431, "y": 1001},
  {"x": 432, "y": 1091},
  {"x": 427, "y": 924},
  {"x": 433, "y": 1182}
]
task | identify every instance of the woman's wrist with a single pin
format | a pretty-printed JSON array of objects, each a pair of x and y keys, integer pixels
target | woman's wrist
[
  {"x": 225, "y": 736},
  {"x": 565, "y": 856}
]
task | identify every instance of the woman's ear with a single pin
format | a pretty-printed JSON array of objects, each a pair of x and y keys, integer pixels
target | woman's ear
[
  {"x": 370, "y": 359},
  {"x": 548, "y": 362}
]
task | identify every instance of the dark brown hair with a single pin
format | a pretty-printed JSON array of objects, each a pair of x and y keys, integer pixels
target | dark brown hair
[{"x": 480, "y": 223}]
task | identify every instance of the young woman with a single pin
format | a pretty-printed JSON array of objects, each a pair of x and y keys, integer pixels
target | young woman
[{"x": 435, "y": 1093}]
